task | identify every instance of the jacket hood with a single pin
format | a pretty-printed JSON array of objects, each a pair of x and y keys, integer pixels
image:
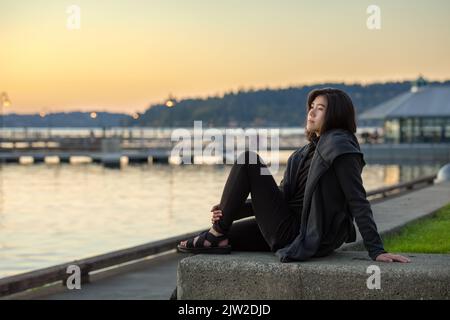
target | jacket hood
[{"x": 336, "y": 142}]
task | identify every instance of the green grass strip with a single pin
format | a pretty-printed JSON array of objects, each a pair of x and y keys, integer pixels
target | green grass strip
[{"x": 428, "y": 235}]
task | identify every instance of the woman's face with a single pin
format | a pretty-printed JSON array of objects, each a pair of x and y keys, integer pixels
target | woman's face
[{"x": 316, "y": 114}]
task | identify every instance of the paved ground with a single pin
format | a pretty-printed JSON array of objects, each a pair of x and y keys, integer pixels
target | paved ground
[
  {"x": 153, "y": 279},
  {"x": 156, "y": 278}
]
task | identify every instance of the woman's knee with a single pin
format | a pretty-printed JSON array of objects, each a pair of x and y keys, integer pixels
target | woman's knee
[{"x": 248, "y": 157}]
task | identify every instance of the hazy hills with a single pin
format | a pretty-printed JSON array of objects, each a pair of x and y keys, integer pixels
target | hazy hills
[{"x": 262, "y": 108}]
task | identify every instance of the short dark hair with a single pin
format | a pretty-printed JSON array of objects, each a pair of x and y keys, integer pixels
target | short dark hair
[{"x": 340, "y": 113}]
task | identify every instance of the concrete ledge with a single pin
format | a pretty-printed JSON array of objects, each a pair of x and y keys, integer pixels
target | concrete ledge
[{"x": 343, "y": 275}]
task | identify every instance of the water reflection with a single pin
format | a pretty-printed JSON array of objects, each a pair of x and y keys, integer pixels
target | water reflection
[{"x": 393, "y": 173}]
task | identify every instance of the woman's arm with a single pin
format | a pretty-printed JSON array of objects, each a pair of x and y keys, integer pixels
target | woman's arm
[
  {"x": 348, "y": 168},
  {"x": 285, "y": 181}
]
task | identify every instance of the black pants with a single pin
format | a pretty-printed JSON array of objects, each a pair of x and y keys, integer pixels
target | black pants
[{"x": 274, "y": 224}]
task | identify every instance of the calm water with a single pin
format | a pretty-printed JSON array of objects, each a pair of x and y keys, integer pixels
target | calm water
[{"x": 51, "y": 214}]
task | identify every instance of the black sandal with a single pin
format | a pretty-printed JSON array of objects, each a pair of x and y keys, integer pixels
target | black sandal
[{"x": 199, "y": 245}]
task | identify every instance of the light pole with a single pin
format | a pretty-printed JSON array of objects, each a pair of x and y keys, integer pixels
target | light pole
[
  {"x": 93, "y": 116},
  {"x": 5, "y": 100},
  {"x": 170, "y": 103},
  {"x": 4, "y": 103},
  {"x": 43, "y": 115},
  {"x": 136, "y": 116}
]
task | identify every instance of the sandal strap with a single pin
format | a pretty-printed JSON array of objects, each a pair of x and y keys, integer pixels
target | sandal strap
[
  {"x": 214, "y": 240},
  {"x": 201, "y": 240},
  {"x": 205, "y": 235},
  {"x": 190, "y": 243}
]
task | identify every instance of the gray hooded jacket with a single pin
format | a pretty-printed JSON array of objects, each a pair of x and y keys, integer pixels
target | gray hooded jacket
[{"x": 334, "y": 198}]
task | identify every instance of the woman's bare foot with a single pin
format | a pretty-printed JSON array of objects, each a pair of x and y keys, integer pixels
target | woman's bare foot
[{"x": 207, "y": 243}]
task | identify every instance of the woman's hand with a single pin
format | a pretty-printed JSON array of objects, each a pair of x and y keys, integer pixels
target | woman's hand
[
  {"x": 217, "y": 213},
  {"x": 389, "y": 257}
]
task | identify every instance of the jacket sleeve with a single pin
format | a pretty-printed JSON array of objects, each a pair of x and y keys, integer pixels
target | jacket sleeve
[{"x": 348, "y": 168}]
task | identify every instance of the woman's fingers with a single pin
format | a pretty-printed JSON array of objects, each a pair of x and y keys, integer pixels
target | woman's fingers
[
  {"x": 399, "y": 258},
  {"x": 215, "y": 207},
  {"x": 384, "y": 259},
  {"x": 217, "y": 213},
  {"x": 216, "y": 216},
  {"x": 388, "y": 257}
]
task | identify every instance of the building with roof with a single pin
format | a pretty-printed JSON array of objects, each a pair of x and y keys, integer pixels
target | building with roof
[{"x": 421, "y": 115}]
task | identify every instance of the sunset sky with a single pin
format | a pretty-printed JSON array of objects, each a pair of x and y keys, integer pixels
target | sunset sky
[{"x": 130, "y": 54}]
